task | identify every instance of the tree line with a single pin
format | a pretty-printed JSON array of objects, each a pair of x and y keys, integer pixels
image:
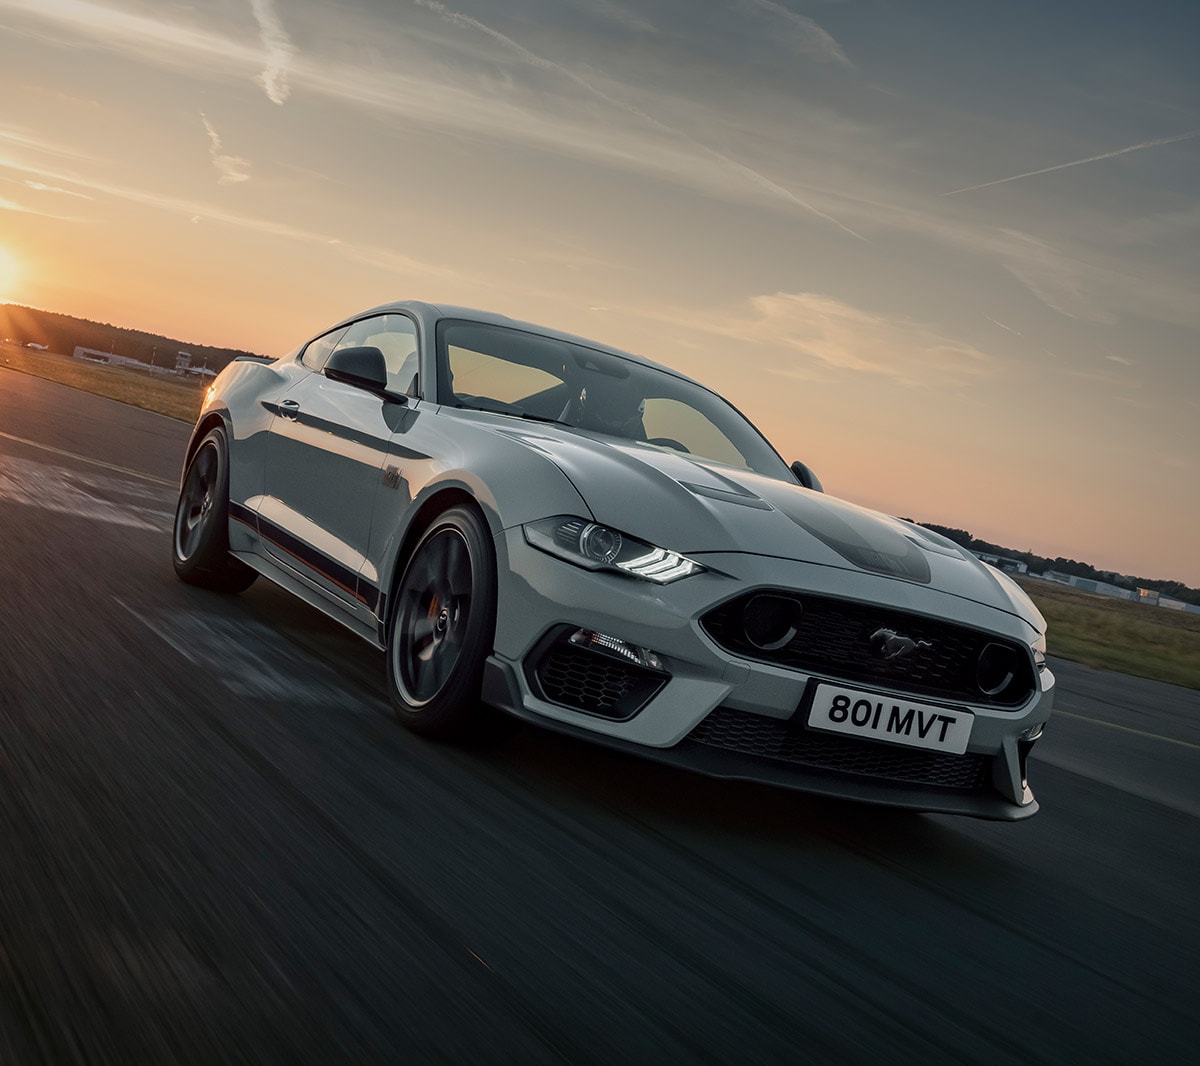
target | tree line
[
  {"x": 1039, "y": 564},
  {"x": 64, "y": 333}
]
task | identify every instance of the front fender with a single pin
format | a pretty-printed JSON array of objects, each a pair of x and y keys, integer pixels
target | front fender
[{"x": 461, "y": 460}]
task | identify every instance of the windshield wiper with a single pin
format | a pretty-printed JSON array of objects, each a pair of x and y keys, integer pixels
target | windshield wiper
[
  {"x": 544, "y": 418},
  {"x": 511, "y": 412}
]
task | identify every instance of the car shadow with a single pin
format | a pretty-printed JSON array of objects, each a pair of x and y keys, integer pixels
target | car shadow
[{"x": 597, "y": 783}]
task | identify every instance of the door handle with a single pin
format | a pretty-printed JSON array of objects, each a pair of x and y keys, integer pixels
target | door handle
[{"x": 289, "y": 409}]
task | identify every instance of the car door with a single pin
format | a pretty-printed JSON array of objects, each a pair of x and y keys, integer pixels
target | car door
[{"x": 324, "y": 465}]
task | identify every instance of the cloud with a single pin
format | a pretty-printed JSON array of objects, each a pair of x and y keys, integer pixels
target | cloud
[
  {"x": 232, "y": 169},
  {"x": 153, "y": 39},
  {"x": 846, "y": 166},
  {"x": 618, "y": 14},
  {"x": 1063, "y": 285},
  {"x": 40, "y": 186},
  {"x": 1076, "y": 273},
  {"x": 807, "y": 36},
  {"x": 1003, "y": 326},
  {"x": 197, "y": 212},
  {"x": 806, "y": 331},
  {"x": 846, "y": 337},
  {"x": 176, "y": 45},
  {"x": 1079, "y": 162},
  {"x": 444, "y": 102},
  {"x": 279, "y": 48},
  {"x": 24, "y": 209},
  {"x": 21, "y": 138},
  {"x": 535, "y": 60}
]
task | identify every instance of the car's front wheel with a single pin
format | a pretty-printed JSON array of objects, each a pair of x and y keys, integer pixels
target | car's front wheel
[
  {"x": 201, "y": 535},
  {"x": 442, "y": 624}
]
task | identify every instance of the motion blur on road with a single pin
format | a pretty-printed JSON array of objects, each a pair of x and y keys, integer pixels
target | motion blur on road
[{"x": 216, "y": 845}]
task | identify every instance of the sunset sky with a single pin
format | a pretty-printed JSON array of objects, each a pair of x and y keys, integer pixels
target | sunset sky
[{"x": 946, "y": 252}]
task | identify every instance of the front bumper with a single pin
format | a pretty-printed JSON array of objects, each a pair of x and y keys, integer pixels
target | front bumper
[{"x": 725, "y": 716}]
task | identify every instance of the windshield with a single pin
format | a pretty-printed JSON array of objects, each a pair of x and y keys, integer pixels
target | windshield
[{"x": 528, "y": 375}]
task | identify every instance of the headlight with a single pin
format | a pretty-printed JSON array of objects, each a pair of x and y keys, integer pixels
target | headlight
[
  {"x": 598, "y": 547},
  {"x": 1039, "y": 652}
]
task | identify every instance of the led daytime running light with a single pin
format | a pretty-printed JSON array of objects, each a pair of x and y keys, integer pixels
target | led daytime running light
[{"x": 599, "y": 547}]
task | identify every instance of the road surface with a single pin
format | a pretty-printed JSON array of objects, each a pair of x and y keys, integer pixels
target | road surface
[{"x": 216, "y": 845}]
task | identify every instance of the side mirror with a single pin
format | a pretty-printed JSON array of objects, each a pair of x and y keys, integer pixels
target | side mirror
[
  {"x": 806, "y": 477},
  {"x": 362, "y": 367}
]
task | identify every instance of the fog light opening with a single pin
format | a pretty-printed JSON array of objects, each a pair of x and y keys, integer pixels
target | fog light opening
[
  {"x": 770, "y": 622},
  {"x": 589, "y": 638}
]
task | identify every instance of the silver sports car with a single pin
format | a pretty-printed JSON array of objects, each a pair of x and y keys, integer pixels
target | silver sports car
[{"x": 535, "y": 526}]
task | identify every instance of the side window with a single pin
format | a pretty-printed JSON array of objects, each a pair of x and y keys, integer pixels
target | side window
[
  {"x": 317, "y": 352},
  {"x": 396, "y": 337}
]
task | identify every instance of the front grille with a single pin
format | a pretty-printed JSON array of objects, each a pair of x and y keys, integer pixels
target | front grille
[
  {"x": 833, "y": 637},
  {"x": 770, "y": 738},
  {"x": 594, "y": 682}
]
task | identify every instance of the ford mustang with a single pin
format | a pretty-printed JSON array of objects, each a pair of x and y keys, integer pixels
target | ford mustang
[{"x": 539, "y": 527}]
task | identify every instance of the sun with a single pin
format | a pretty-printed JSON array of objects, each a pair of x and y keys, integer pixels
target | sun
[{"x": 10, "y": 270}]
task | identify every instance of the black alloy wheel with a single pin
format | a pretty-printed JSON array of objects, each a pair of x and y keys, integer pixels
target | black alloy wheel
[
  {"x": 201, "y": 535},
  {"x": 442, "y": 625}
]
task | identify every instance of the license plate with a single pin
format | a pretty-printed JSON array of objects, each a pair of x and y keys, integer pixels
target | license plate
[{"x": 891, "y": 719}]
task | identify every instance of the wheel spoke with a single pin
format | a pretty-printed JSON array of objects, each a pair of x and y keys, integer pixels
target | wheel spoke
[
  {"x": 443, "y": 663},
  {"x": 191, "y": 533},
  {"x": 206, "y": 468},
  {"x": 422, "y": 633},
  {"x": 422, "y": 575},
  {"x": 422, "y": 671},
  {"x": 435, "y": 553},
  {"x": 458, "y": 568}
]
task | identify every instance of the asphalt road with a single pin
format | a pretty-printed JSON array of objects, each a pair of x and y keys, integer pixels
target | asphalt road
[{"x": 215, "y": 845}]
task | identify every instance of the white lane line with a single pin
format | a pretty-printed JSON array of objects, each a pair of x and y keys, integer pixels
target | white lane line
[
  {"x": 88, "y": 459},
  {"x": 1126, "y": 729}
]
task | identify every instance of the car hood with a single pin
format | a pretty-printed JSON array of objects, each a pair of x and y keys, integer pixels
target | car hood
[{"x": 694, "y": 507}]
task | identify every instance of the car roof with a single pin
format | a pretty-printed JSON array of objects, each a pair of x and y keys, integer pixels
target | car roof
[{"x": 428, "y": 315}]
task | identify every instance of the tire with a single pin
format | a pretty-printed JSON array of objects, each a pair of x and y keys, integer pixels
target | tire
[
  {"x": 200, "y": 538},
  {"x": 443, "y": 621}
]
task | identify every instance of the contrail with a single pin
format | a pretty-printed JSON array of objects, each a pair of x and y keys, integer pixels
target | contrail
[
  {"x": 536, "y": 60},
  {"x": 813, "y": 38},
  {"x": 279, "y": 48},
  {"x": 1079, "y": 162}
]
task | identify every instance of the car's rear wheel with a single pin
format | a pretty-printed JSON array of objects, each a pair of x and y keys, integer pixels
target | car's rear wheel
[
  {"x": 442, "y": 624},
  {"x": 201, "y": 534}
]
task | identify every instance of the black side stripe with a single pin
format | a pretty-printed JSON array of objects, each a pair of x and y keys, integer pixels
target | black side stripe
[{"x": 318, "y": 562}]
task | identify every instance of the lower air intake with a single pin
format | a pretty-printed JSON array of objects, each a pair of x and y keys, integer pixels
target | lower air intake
[
  {"x": 770, "y": 738},
  {"x": 594, "y": 682}
]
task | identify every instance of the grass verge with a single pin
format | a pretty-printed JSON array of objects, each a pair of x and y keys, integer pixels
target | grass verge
[
  {"x": 167, "y": 394},
  {"x": 1113, "y": 634}
]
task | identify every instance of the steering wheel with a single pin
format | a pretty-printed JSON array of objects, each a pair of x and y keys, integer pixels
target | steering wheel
[{"x": 669, "y": 442}]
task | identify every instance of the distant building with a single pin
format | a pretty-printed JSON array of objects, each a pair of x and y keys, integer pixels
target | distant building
[
  {"x": 1086, "y": 584},
  {"x": 1003, "y": 562},
  {"x": 96, "y": 355}
]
